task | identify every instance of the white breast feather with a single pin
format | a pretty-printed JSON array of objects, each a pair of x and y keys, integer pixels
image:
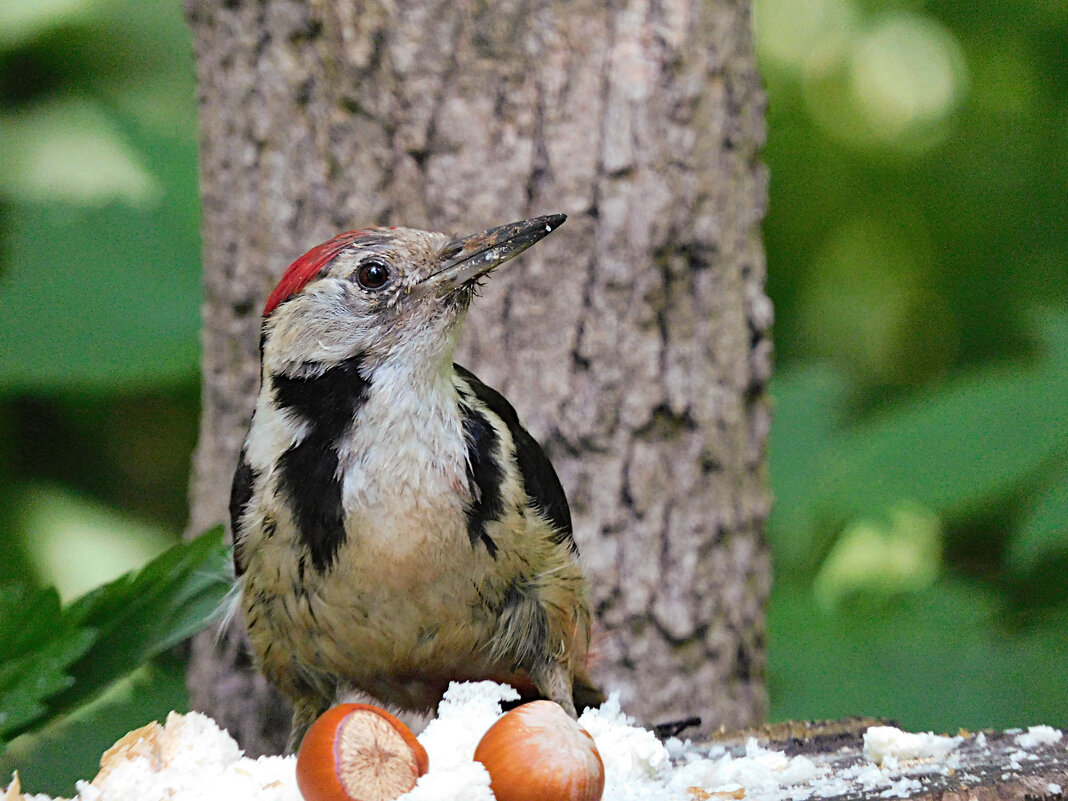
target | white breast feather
[{"x": 404, "y": 464}]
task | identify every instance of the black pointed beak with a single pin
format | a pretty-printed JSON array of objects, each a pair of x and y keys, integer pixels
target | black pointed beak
[{"x": 467, "y": 258}]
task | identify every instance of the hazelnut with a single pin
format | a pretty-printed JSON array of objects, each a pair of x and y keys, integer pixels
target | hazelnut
[
  {"x": 538, "y": 751},
  {"x": 358, "y": 752}
]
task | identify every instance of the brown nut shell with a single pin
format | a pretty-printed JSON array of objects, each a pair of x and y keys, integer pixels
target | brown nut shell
[
  {"x": 358, "y": 752},
  {"x": 537, "y": 751}
]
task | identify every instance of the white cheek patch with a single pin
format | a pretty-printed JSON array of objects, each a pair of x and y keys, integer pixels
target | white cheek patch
[
  {"x": 320, "y": 326},
  {"x": 272, "y": 433}
]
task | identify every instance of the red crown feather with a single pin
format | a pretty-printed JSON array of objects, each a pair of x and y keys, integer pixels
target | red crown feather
[{"x": 307, "y": 267}]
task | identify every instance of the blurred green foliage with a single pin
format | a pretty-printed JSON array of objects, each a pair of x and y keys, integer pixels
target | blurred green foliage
[
  {"x": 99, "y": 322},
  {"x": 917, "y": 250},
  {"x": 99, "y": 276},
  {"x": 918, "y": 258},
  {"x": 56, "y": 660}
]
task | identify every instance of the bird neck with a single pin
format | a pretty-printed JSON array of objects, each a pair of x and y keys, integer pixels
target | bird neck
[{"x": 404, "y": 456}]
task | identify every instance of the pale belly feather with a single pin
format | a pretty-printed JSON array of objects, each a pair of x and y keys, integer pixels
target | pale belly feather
[{"x": 410, "y": 597}]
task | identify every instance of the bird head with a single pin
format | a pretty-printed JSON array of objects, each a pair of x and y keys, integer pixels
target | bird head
[{"x": 384, "y": 293}]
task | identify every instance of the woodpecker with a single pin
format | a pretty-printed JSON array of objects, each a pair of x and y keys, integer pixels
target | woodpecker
[{"x": 395, "y": 526}]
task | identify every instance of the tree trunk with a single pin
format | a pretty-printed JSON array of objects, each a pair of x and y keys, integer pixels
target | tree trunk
[{"x": 633, "y": 341}]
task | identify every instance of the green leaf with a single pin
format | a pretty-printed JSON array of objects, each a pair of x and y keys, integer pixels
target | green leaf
[
  {"x": 53, "y": 661},
  {"x": 954, "y": 450},
  {"x": 100, "y": 282},
  {"x": 77, "y": 543},
  {"x": 52, "y": 759},
  {"x": 97, "y": 298},
  {"x": 809, "y": 404},
  {"x": 102, "y": 295},
  {"x": 38, "y": 645},
  {"x": 937, "y": 660},
  {"x": 1044, "y": 532},
  {"x": 1050, "y": 325},
  {"x": 957, "y": 449},
  {"x": 903, "y": 555},
  {"x": 141, "y": 614},
  {"x": 68, "y": 150},
  {"x": 22, "y": 19},
  {"x": 28, "y": 684}
]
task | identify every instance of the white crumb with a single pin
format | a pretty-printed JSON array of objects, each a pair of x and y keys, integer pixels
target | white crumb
[
  {"x": 468, "y": 781},
  {"x": 633, "y": 757},
  {"x": 190, "y": 759},
  {"x": 761, "y": 773},
  {"x": 1038, "y": 735},
  {"x": 885, "y": 742},
  {"x": 902, "y": 788},
  {"x": 465, "y": 713}
]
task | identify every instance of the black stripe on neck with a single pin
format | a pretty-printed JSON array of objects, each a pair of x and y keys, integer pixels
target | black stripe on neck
[
  {"x": 240, "y": 495},
  {"x": 484, "y": 477},
  {"x": 539, "y": 478},
  {"x": 309, "y": 470}
]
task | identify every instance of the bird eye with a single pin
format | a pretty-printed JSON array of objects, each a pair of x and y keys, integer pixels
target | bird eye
[{"x": 373, "y": 274}]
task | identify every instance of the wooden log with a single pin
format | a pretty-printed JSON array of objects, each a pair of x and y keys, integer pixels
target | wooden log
[{"x": 983, "y": 766}]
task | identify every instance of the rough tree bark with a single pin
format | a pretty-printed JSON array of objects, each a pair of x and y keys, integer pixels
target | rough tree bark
[{"x": 634, "y": 341}]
